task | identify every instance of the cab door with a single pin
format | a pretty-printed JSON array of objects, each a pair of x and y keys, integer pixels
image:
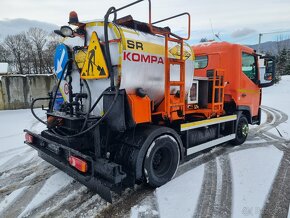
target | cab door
[{"x": 249, "y": 91}]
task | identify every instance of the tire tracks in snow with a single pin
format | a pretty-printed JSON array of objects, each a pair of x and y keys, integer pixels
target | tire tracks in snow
[
  {"x": 206, "y": 202},
  {"x": 223, "y": 207},
  {"x": 34, "y": 185},
  {"x": 278, "y": 199},
  {"x": 122, "y": 206},
  {"x": 277, "y": 203},
  {"x": 215, "y": 199},
  {"x": 76, "y": 201},
  {"x": 68, "y": 202},
  {"x": 223, "y": 194}
]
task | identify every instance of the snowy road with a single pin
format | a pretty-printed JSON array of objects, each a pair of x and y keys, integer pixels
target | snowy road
[{"x": 251, "y": 180}]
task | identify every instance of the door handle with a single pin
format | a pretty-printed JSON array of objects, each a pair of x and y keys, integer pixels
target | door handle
[{"x": 244, "y": 94}]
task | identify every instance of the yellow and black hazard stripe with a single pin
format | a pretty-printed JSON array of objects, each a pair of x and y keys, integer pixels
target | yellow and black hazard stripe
[{"x": 202, "y": 123}]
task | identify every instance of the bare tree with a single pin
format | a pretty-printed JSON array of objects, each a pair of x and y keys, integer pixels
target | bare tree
[
  {"x": 38, "y": 39},
  {"x": 5, "y": 55},
  {"x": 53, "y": 41},
  {"x": 17, "y": 45},
  {"x": 30, "y": 52}
]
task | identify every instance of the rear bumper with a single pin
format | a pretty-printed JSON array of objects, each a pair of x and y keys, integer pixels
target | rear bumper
[{"x": 102, "y": 176}]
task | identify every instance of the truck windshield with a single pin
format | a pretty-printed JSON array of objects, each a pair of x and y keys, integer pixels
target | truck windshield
[{"x": 249, "y": 66}]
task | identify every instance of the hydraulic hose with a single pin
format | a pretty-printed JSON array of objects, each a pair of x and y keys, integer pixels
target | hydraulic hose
[
  {"x": 89, "y": 93},
  {"x": 53, "y": 100},
  {"x": 107, "y": 46},
  {"x": 91, "y": 109},
  {"x": 90, "y": 104},
  {"x": 58, "y": 84},
  {"x": 32, "y": 109},
  {"x": 111, "y": 74},
  {"x": 100, "y": 120}
]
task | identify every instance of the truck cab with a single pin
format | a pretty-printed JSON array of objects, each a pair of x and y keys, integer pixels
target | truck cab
[{"x": 242, "y": 76}]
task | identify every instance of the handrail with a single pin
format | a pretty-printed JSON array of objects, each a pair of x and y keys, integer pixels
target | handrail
[
  {"x": 129, "y": 5},
  {"x": 152, "y": 29},
  {"x": 178, "y": 15}
]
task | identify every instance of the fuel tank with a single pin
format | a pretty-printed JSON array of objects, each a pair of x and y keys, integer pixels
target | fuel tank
[{"x": 138, "y": 61}]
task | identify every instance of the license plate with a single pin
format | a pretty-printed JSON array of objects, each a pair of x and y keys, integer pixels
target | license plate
[{"x": 53, "y": 148}]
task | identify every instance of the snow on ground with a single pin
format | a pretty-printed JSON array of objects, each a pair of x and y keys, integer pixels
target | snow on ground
[
  {"x": 9, "y": 199},
  {"x": 278, "y": 96},
  {"x": 11, "y": 129},
  {"x": 239, "y": 185},
  {"x": 54, "y": 184},
  {"x": 181, "y": 194},
  {"x": 253, "y": 173},
  {"x": 13, "y": 151}
]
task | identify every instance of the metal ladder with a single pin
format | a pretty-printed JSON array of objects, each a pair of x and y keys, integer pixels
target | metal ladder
[
  {"x": 217, "y": 90},
  {"x": 169, "y": 105}
]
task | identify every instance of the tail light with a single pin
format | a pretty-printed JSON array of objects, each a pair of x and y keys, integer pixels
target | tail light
[
  {"x": 28, "y": 138},
  {"x": 78, "y": 163}
]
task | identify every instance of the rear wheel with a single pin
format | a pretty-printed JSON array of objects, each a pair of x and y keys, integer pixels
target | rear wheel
[
  {"x": 161, "y": 160},
  {"x": 242, "y": 131}
]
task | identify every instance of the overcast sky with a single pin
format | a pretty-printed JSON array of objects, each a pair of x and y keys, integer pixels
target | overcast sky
[{"x": 235, "y": 21}]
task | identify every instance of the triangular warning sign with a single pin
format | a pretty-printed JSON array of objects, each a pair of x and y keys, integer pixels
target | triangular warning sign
[{"x": 95, "y": 66}]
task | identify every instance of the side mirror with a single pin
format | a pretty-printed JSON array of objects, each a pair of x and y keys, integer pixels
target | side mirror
[{"x": 267, "y": 71}]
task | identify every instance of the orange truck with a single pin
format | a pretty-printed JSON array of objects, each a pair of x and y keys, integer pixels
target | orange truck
[
  {"x": 136, "y": 101},
  {"x": 242, "y": 74}
]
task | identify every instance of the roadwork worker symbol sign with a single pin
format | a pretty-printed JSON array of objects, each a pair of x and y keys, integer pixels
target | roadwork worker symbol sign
[{"x": 95, "y": 66}]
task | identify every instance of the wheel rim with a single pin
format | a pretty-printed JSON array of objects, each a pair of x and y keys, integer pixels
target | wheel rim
[
  {"x": 161, "y": 161},
  {"x": 243, "y": 130}
]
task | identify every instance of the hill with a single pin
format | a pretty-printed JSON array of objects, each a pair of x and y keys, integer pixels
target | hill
[
  {"x": 15, "y": 26},
  {"x": 272, "y": 46}
]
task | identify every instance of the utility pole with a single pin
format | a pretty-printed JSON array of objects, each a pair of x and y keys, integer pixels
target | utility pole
[{"x": 260, "y": 39}]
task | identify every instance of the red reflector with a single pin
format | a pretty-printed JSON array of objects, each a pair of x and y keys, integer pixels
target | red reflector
[
  {"x": 28, "y": 138},
  {"x": 78, "y": 163}
]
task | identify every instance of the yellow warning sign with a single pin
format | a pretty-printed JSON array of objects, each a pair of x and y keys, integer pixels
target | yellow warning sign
[
  {"x": 80, "y": 58},
  {"x": 95, "y": 66},
  {"x": 175, "y": 51}
]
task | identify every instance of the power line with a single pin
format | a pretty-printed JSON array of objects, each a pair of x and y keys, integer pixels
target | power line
[
  {"x": 267, "y": 33},
  {"x": 283, "y": 31}
]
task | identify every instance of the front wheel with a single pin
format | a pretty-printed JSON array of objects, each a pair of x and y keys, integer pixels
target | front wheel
[
  {"x": 241, "y": 131},
  {"x": 161, "y": 160}
]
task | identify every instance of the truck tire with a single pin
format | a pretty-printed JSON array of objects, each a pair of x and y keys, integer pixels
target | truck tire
[
  {"x": 161, "y": 160},
  {"x": 241, "y": 131}
]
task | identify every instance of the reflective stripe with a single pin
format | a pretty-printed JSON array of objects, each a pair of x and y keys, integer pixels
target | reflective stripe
[
  {"x": 249, "y": 91},
  {"x": 210, "y": 144},
  {"x": 197, "y": 124}
]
